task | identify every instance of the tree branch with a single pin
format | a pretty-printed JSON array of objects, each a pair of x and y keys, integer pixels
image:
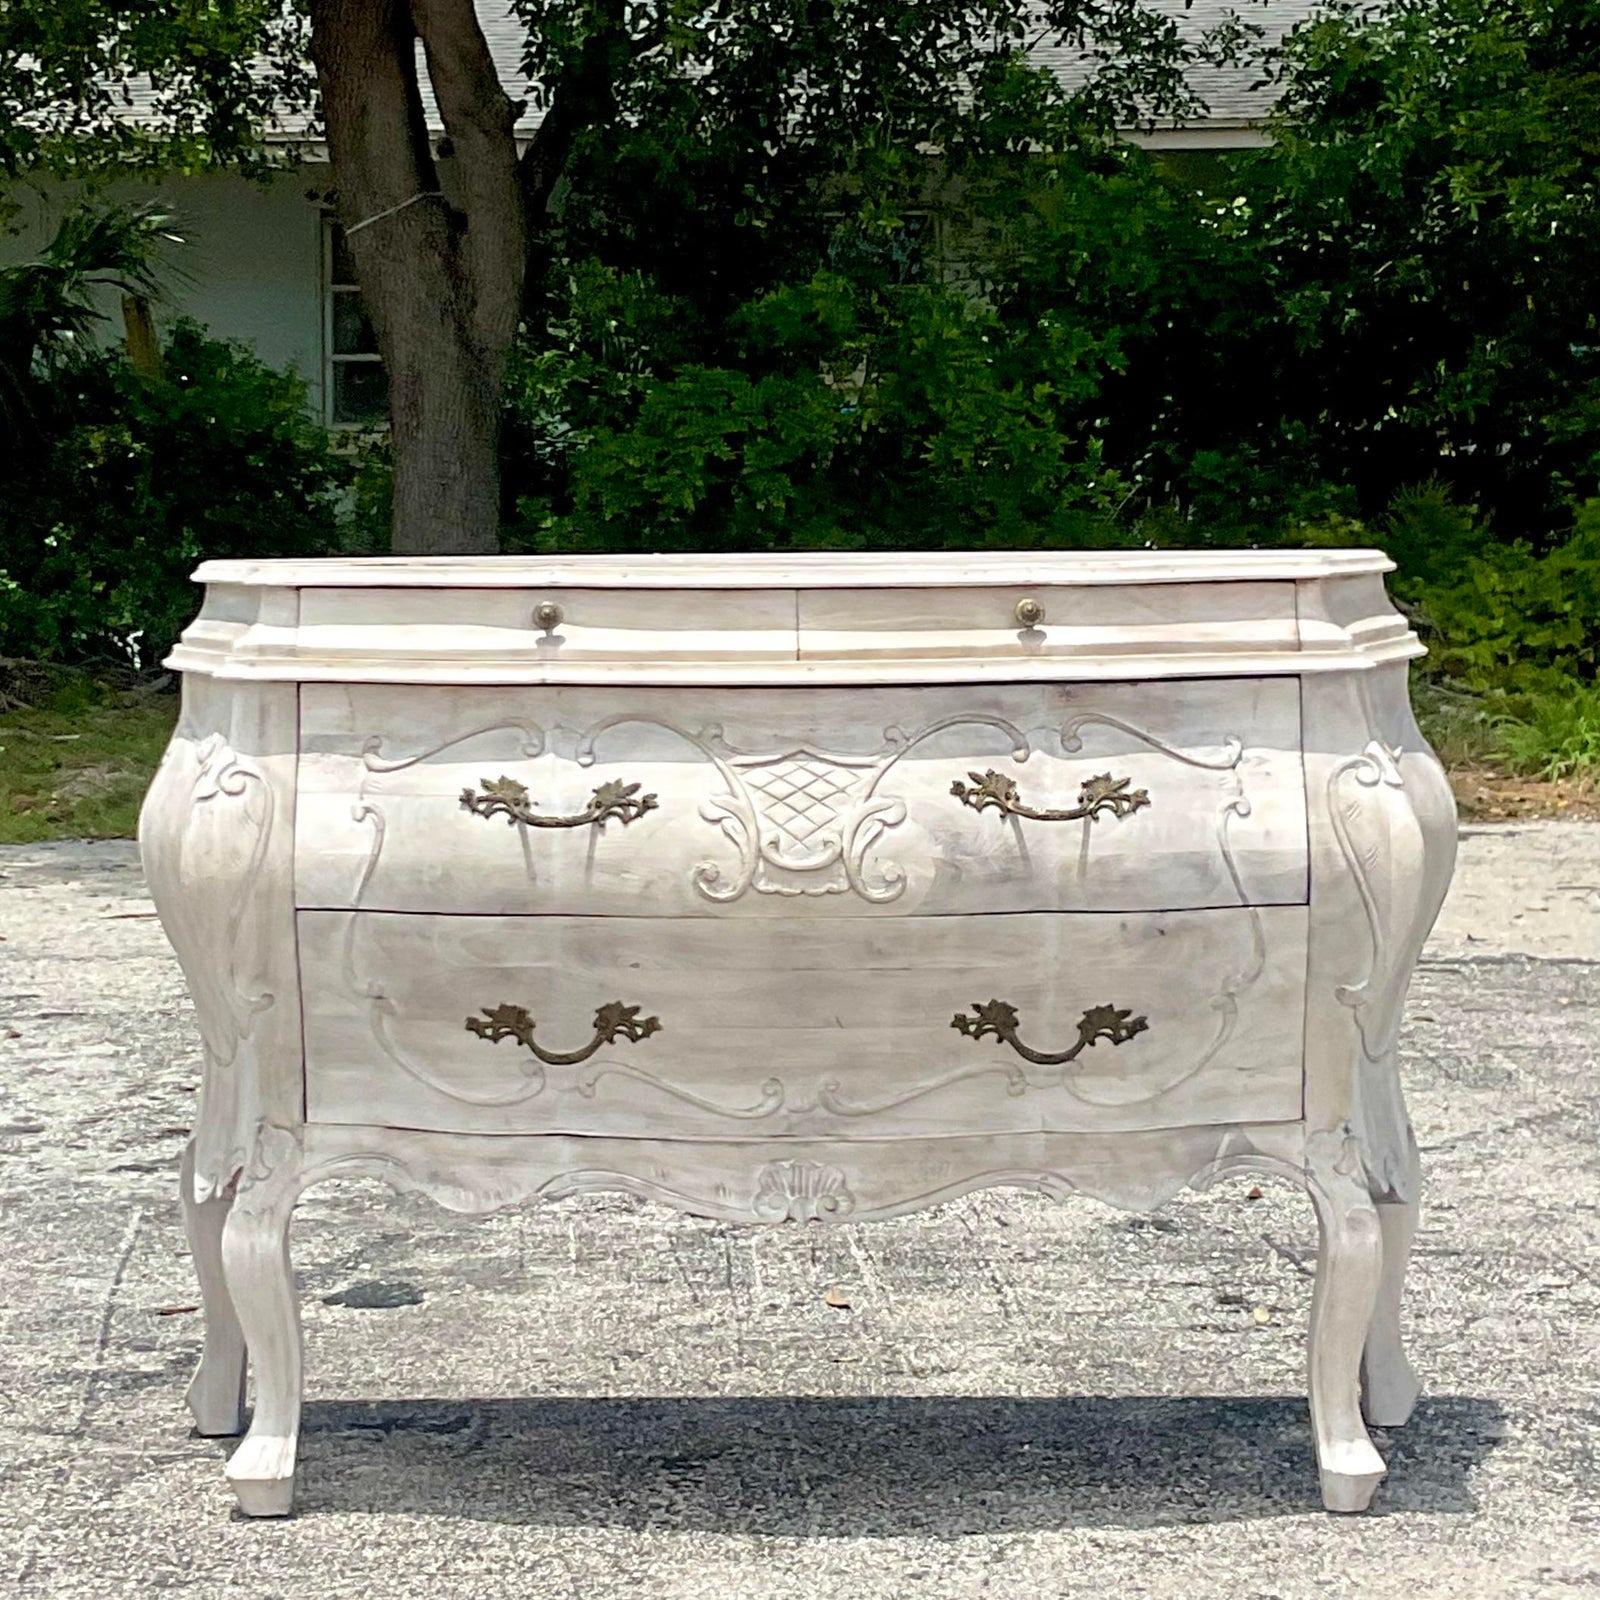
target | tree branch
[
  {"x": 584, "y": 96},
  {"x": 481, "y": 174}
]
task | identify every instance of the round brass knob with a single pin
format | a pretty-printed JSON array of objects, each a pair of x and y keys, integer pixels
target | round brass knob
[
  {"x": 1029, "y": 613},
  {"x": 548, "y": 615}
]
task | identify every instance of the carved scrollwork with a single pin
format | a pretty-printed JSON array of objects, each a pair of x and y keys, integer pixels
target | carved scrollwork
[
  {"x": 1392, "y": 816},
  {"x": 855, "y": 1182},
  {"x": 612, "y": 1021},
  {"x": 998, "y": 1020},
  {"x": 1019, "y": 1080},
  {"x": 225, "y": 1006},
  {"x": 274, "y": 1160},
  {"x": 802, "y": 818},
  {"x": 833, "y": 858},
  {"x": 1334, "y": 1150},
  {"x": 1097, "y": 797},
  {"x": 217, "y": 862},
  {"x": 1071, "y": 735},
  {"x": 505, "y": 797},
  {"x": 1365, "y": 820},
  {"x": 373, "y": 759}
]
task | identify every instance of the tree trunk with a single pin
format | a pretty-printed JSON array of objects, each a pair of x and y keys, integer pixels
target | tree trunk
[
  {"x": 442, "y": 247},
  {"x": 439, "y": 249}
]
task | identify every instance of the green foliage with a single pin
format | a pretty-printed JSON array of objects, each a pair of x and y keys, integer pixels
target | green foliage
[
  {"x": 47, "y": 304},
  {"x": 1379, "y": 319},
  {"x": 1508, "y": 618},
  {"x": 1459, "y": 725},
  {"x": 1432, "y": 535},
  {"x": 828, "y": 338},
  {"x": 1426, "y": 228},
  {"x": 207, "y": 77},
  {"x": 122, "y": 483},
  {"x": 869, "y": 390},
  {"x": 1553, "y": 735},
  {"x": 842, "y": 413}
]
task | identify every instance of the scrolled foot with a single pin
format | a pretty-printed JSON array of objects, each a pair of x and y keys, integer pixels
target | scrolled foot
[
  {"x": 1349, "y": 1263},
  {"x": 255, "y": 1259},
  {"x": 261, "y": 1473},
  {"x": 1350, "y": 1472}
]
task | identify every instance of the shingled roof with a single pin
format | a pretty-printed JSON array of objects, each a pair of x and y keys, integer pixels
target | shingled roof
[{"x": 1234, "y": 96}]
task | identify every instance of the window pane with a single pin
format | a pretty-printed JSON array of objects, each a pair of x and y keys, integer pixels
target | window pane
[
  {"x": 343, "y": 269},
  {"x": 352, "y": 332},
  {"x": 360, "y": 391}
]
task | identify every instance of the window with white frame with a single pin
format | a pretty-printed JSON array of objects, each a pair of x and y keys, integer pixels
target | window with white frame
[{"x": 355, "y": 387}]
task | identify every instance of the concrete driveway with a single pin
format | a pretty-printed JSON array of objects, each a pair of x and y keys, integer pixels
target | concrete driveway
[{"x": 598, "y": 1399}]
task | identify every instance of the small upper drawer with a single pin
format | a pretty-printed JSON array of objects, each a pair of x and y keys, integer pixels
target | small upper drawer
[
  {"x": 584, "y": 800},
  {"x": 516, "y": 627},
  {"x": 1046, "y": 621}
]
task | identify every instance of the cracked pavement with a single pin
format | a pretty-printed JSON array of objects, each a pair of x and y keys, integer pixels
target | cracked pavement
[{"x": 1003, "y": 1396}]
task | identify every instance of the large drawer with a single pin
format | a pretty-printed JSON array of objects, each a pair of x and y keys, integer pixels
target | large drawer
[
  {"x": 798, "y": 1027},
  {"x": 785, "y": 802}
]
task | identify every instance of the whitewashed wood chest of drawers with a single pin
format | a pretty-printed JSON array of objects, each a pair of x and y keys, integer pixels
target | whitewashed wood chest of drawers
[{"x": 800, "y": 888}]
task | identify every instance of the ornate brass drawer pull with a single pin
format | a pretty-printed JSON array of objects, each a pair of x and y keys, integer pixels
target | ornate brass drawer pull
[
  {"x": 612, "y": 1021},
  {"x": 998, "y": 1019},
  {"x": 505, "y": 797},
  {"x": 1096, "y": 797}
]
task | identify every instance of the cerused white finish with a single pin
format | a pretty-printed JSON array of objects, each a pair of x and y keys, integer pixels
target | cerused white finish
[
  {"x": 832, "y": 802},
  {"x": 799, "y": 888},
  {"x": 861, "y": 1046}
]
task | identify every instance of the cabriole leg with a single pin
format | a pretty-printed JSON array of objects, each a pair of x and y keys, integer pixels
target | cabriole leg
[
  {"x": 1349, "y": 1263},
  {"x": 216, "y": 1393},
  {"x": 1388, "y": 1385},
  {"x": 255, "y": 1255}
]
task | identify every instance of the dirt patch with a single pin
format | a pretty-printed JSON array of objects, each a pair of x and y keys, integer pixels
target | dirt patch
[{"x": 1484, "y": 794}]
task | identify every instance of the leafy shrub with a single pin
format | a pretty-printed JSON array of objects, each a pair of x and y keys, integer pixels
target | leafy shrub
[
  {"x": 1554, "y": 735},
  {"x": 48, "y": 305},
  {"x": 121, "y": 483},
  {"x": 828, "y": 412},
  {"x": 1509, "y": 619},
  {"x": 1426, "y": 228}
]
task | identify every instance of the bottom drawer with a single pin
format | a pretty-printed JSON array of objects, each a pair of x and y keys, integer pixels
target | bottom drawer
[{"x": 939, "y": 1025}]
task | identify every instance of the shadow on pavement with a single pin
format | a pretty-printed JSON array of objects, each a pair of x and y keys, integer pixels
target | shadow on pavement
[{"x": 880, "y": 1466}]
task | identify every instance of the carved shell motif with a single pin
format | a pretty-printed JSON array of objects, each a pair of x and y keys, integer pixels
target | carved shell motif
[{"x": 801, "y": 1191}]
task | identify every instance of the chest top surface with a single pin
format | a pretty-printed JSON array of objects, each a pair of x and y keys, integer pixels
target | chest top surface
[{"x": 791, "y": 619}]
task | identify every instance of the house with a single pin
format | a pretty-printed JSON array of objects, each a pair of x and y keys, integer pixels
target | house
[{"x": 264, "y": 263}]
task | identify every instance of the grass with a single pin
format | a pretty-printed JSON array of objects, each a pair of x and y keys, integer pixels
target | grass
[
  {"x": 1551, "y": 735},
  {"x": 1554, "y": 736},
  {"x": 75, "y": 763}
]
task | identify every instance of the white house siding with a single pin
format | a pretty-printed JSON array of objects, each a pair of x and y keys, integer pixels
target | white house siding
[{"x": 252, "y": 263}]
